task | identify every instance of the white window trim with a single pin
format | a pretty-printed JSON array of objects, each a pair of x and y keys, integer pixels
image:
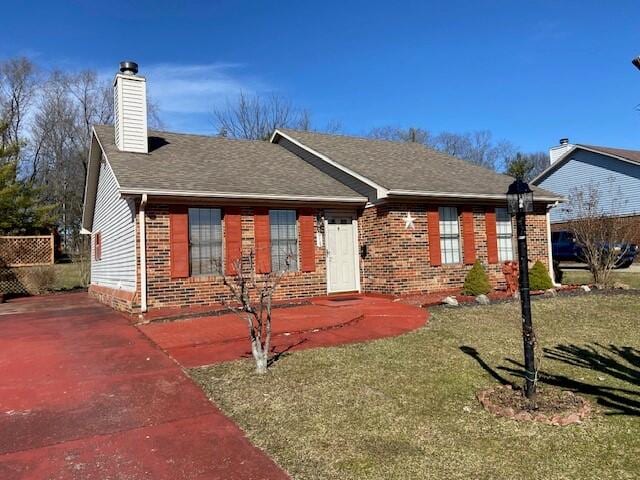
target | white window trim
[{"x": 458, "y": 237}]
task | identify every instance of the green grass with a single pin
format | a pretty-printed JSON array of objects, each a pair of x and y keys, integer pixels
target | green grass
[
  {"x": 404, "y": 408},
  {"x": 583, "y": 276},
  {"x": 67, "y": 276}
]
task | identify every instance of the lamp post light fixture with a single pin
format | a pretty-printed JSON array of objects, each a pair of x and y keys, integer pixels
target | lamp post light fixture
[{"x": 520, "y": 202}]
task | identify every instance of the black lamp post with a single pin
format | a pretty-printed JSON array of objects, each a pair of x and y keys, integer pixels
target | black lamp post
[{"x": 520, "y": 202}]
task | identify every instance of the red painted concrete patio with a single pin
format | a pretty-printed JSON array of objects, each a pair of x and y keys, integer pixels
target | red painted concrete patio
[
  {"x": 85, "y": 395},
  {"x": 326, "y": 322}
]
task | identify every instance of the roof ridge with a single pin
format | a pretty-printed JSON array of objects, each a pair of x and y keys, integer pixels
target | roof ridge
[
  {"x": 595, "y": 147},
  {"x": 199, "y": 135},
  {"x": 355, "y": 137}
]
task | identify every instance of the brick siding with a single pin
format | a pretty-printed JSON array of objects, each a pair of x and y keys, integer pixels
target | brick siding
[
  {"x": 164, "y": 292},
  {"x": 397, "y": 259}
]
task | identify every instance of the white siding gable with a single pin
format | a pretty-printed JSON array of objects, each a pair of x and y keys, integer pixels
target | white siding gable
[{"x": 114, "y": 218}]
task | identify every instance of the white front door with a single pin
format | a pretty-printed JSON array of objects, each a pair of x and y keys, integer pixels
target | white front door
[{"x": 342, "y": 253}]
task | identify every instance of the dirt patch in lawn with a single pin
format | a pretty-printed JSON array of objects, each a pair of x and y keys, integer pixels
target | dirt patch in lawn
[{"x": 550, "y": 406}]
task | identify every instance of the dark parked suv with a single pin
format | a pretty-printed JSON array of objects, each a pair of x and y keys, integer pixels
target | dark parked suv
[{"x": 566, "y": 249}]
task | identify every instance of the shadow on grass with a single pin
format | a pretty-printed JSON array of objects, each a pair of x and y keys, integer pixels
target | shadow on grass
[
  {"x": 278, "y": 353},
  {"x": 620, "y": 363}
]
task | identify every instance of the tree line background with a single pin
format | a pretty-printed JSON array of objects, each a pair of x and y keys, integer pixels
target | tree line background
[{"x": 45, "y": 129}]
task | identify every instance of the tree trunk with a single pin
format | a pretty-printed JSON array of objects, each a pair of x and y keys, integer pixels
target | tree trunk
[{"x": 260, "y": 355}]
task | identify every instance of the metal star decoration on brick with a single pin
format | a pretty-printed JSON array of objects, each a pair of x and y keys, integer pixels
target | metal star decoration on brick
[{"x": 408, "y": 222}]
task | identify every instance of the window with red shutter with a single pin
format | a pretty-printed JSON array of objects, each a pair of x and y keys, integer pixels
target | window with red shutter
[
  {"x": 469, "y": 239},
  {"x": 492, "y": 240},
  {"x": 97, "y": 248},
  {"x": 179, "y": 241},
  {"x": 232, "y": 238},
  {"x": 433, "y": 233},
  {"x": 306, "y": 221},
  {"x": 262, "y": 238}
]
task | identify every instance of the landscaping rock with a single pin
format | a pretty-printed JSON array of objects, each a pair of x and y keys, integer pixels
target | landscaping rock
[
  {"x": 483, "y": 300},
  {"x": 585, "y": 288},
  {"x": 551, "y": 292},
  {"x": 451, "y": 301},
  {"x": 621, "y": 286}
]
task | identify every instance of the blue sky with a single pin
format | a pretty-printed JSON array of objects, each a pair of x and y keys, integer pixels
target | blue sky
[{"x": 531, "y": 72}]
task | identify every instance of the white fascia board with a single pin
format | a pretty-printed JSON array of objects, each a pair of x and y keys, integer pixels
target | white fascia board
[
  {"x": 482, "y": 196},
  {"x": 380, "y": 190},
  {"x": 563, "y": 158},
  {"x": 241, "y": 196}
]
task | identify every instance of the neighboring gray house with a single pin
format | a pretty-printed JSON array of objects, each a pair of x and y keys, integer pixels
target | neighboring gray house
[{"x": 614, "y": 171}]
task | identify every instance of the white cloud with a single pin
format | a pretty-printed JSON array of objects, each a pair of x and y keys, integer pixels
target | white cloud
[{"x": 196, "y": 88}]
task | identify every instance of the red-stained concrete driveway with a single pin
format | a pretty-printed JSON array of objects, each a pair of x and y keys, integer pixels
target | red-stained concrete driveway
[{"x": 85, "y": 395}]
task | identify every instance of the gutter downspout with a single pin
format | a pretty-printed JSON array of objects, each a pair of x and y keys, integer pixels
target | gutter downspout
[
  {"x": 552, "y": 272},
  {"x": 143, "y": 254}
]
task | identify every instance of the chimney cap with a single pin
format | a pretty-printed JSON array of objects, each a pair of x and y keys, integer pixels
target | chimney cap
[
  {"x": 128, "y": 67},
  {"x": 564, "y": 141}
]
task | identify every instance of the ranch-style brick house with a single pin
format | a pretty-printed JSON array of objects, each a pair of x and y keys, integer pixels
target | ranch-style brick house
[{"x": 167, "y": 211}]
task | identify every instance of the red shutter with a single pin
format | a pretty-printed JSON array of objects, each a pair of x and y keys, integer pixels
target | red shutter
[
  {"x": 433, "y": 226},
  {"x": 262, "y": 234},
  {"x": 179, "y": 241},
  {"x": 469, "y": 240},
  {"x": 232, "y": 238},
  {"x": 307, "y": 241},
  {"x": 492, "y": 239},
  {"x": 98, "y": 246}
]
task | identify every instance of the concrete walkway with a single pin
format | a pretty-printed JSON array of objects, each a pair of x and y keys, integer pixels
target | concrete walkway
[
  {"x": 85, "y": 395},
  {"x": 327, "y": 322}
]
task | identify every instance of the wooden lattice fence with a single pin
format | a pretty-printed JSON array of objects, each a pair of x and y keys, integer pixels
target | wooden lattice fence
[{"x": 26, "y": 251}]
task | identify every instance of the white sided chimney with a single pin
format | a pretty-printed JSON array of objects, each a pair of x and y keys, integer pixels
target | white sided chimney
[
  {"x": 556, "y": 152},
  {"x": 130, "y": 109}
]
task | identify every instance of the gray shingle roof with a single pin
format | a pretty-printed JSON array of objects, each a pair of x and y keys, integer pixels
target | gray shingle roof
[
  {"x": 196, "y": 163},
  {"x": 407, "y": 166}
]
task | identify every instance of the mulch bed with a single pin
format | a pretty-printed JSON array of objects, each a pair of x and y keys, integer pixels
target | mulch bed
[{"x": 551, "y": 406}]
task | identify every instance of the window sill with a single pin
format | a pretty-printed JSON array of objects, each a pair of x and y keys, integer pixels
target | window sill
[{"x": 204, "y": 278}]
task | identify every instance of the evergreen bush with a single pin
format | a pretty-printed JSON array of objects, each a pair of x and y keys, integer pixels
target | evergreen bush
[
  {"x": 539, "y": 278},
  {"x": 476, "y": 282}
]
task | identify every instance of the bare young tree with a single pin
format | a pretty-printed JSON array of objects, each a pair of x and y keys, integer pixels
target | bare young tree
[
  {"x": 603, "y": 235},
  {"x": 475, "y": 147},
  {"x": 252, "y": 300},
  {"x": 255, "y": 117}
]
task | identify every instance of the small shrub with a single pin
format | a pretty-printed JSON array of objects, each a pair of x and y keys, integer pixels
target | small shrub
[
  {"x": 539, "y": 278},
  {"x": 37, "y": 280},
  {"x": 476, "y": 282}
]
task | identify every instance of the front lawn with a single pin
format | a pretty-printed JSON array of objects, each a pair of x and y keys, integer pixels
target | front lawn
[
  {"x": 404, "y": 408},
  {"x": 581, "y": 277}
]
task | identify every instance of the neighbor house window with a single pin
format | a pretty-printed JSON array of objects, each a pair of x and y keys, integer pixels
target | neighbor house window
[
  {"x": 504, "y": 233},
  {"x": 284, "y": 240},
  {"x": 449, "y": 235},
  {"x": 205, "y": 241}
]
